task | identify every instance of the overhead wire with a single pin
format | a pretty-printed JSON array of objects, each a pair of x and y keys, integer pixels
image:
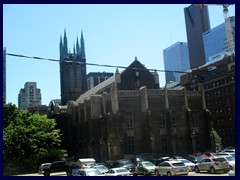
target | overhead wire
[{"x": 90, "y": 64}]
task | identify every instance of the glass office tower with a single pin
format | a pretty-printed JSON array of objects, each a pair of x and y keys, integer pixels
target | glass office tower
[
  {"x": 215, "y": 41},
  {"x": 176, "y": 58}
]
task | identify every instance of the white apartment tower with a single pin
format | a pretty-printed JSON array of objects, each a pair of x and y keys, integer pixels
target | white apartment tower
[{"x": 29, "y": 96}]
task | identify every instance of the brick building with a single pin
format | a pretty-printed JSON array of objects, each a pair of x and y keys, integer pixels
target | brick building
[{"x": 218, "y": 82}]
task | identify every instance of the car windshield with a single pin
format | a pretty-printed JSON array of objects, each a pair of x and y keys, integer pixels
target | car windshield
[
  {"x": 121, "y": 170},
  {"x": 122, "y": 163},
  {"x": 146, "y": 164},
  {"x": 93, "y": 173},
  {"x": 185, "y": 161},
  {"x": 230, "y": 158},
  {"x": 102, "y": 167},
  {"x": 178, "y": 164}
]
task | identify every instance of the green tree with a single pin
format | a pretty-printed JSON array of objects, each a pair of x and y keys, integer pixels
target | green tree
[
  {"x": 217, "y": 139},
  {"x": 30, "y": 138}
]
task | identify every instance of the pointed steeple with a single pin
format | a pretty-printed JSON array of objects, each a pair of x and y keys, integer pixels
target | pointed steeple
[
  {"x": 61, "y": 47},
  {"x": 65, "y": 44},
  {"x": 77, "y": 47},
  {"x": 74, "y": 50},
  {"x": 83, "y": 56}
]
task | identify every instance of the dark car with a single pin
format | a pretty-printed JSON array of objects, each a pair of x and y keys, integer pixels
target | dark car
[
  {"x": 71, "y": 168},
  {"x": 109, "y": 164},
  {"x": 194, "y": 159},
  {"x": 56, "y": 166},
  {"x": 124, "y": 163},
  {"x": 160, "y": 160}
]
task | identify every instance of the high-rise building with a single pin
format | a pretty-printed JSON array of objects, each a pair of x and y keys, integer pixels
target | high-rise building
[
  {"x": 95, "y": 78},
  {"x": 215, "y": 41},
  {"x": 29, "y": 96},
  {"x": 197, "y": 22},
  {"x": 4, "y": 73},
  {"x": 73, "y": 78},
  {"x": 176, "y": 58}
]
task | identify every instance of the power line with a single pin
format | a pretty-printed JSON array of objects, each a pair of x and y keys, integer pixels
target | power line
[{"x": 90, "y": 64}]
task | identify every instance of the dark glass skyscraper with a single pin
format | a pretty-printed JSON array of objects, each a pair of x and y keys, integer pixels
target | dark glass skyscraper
[
  {"x": 73, "y": 78},
  {"x": 197, "y": 22}
]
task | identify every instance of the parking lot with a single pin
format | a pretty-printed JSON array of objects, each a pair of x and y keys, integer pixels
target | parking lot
[{"x": 190, "y": 174}]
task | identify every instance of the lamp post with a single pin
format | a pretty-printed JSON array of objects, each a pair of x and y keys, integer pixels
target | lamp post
[
  {"x": 193, "y": 135},
  {"x": 109, "y": 150}
]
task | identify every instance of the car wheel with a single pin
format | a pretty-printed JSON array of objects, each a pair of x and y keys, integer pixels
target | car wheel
[
  {"x": 157, "y": 173},
  {"x": 144, "y": 173},
  {"x": 46, "y": 173},
  {"x": 230, "y": 167},
  {"x": 212, "y": 170},
  {"x": 196, "y": 169},
  {"x": 169, "y": 174}
]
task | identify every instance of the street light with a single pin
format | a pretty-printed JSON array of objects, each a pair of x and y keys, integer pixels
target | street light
[
  {"x": 193, "y": 135},
  {"x": 109, "y": 150}
]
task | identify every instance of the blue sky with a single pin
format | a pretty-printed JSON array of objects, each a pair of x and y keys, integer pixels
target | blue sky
[{"x": 113, "y": 34}]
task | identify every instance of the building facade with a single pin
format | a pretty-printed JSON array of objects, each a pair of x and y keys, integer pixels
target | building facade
[
  {"x": 73, "y": 78},
  {"x": 128, "y": 114},
  {"x": 215, "y": 42},
  {"x": 218, "y": 82},
  {"x": 176, "y": 58},
  {"x": 95, "y": 78},
  {"x": 29, "y": 96},
  {"x": 197, "y": 22},
  {"x": 4, "y": 74}
]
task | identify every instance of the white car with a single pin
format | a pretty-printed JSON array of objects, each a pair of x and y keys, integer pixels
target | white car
[
  {"x": 231, "y": 161},
  {"x": 188, "y": 163},
  {"x": 118, "y": 172},
  {"x": 145, "y": 167},
  {"x": 171, "y": 168},
  {"x": 40, "y": 169},
  {"x": 231, "y": 173},
  {"x": 89, "y": 172},
  {"x": 103, "y": 169}
]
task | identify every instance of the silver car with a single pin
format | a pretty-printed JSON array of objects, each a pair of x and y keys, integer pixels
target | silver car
[
  {"x": 145, "y": 167},
  {"x": 171, "y": 168},
  {"x": 212, "y": 165}
]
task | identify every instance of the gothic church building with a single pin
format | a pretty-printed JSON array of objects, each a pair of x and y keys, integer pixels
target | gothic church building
[{"x": 73, "y": 78}]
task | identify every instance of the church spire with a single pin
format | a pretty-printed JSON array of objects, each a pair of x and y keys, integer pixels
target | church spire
[
  {"x": 65, "y": 45},
  {"x": 61, "y": 47},
  {"x": 83, "y": 56},
  {"x": 77, "y": 47}
]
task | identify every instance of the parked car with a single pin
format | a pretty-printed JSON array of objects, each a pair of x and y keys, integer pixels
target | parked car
[
  {"x": 124, "y": 163},
  {"x": 89, "y": 165},
  {"x": 72, "y": 170},
  {"x": 212, "y": 165},
  {"x": 56, "y": 166},
  {"x": 194, "y": 159},
  {"x": 231, "y": 173},
  {"x": 226, "y": 154},
  {"x": 103, "y": 169},
  {"x": 109, "y": 164},
  {"x": 188, "y": 163},
  {"x": 231, "y": 161},
  {"x": 89, "y": 172},
  {"x": 44, "y": 165},
  {"x": 118, "y": 172},
  {"x": 136, "y": 159},
  {"x": 160, "y": 160},
  {"x": 145, "y": 168},
  {"x": 177, "y": 157},
  {"x": 171, "y": 168}
]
